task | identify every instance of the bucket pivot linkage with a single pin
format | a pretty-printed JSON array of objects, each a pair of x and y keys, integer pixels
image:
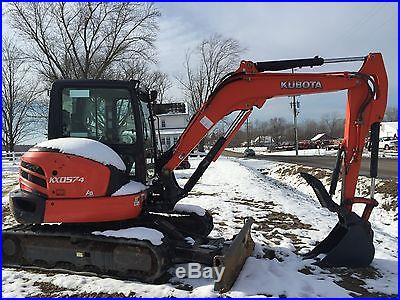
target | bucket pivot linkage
[{"x": 350, "y": 243}]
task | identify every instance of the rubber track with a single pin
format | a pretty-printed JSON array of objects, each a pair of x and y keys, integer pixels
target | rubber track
[
  {"x": 58, "y": 247},
  {"x": 64, "y": 247}
]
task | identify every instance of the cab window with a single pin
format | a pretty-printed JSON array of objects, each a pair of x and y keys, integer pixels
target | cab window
[{"x": 102, "y": 114}]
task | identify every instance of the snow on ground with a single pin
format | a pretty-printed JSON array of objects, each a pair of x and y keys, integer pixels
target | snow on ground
[
  {"x": 288, "y": 222},
  {"x": 384, "y": 218},
  {"x": 9, "y": 176},
  {"x": 310, "y": 152}
]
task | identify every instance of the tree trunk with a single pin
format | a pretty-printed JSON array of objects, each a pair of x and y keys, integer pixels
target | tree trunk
[{"x": 200, "y": 147}]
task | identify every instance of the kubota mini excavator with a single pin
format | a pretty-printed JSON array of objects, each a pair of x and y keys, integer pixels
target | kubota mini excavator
[{"x": 76, "y": 179}]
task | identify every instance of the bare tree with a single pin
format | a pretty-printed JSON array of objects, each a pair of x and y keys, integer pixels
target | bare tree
[
  {"x": 84, "y": 39},
  {"x": 309, "y": 128},
  {"x": 333, "y": 124},
  {"x": 279, "y": 130},
  {"x": 391, "y": 114},
  {"x": 160, "y": 82},
  {"x": 213, "y": 58},
  {"x": 149, "y": 79},
  {"x": 205, "y": 67},
  {"x": 19, "y": 93}
]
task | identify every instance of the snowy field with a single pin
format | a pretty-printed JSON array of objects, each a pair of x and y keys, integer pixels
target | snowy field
[
  {"x": 289, "y": 221},
  {"x": 311, "y": 152}
]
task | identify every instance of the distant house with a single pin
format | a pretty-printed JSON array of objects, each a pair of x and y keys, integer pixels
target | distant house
[
  {"x": 262, "y": 141},
  {"x": 171, "y": 121},
  {"x": 320, "y": 137},
  {"x": 389, "y": 129}
]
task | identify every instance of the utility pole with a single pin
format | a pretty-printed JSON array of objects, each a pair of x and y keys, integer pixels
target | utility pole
[
  {"x": 294, "y": 106},
  {"x": 247, "y": 133}
]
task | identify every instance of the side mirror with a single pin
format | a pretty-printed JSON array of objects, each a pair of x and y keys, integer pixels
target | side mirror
[{"x": 153, "y": 96}]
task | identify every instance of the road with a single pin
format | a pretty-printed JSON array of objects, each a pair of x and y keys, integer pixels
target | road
[{"x": 387, "y": 168}]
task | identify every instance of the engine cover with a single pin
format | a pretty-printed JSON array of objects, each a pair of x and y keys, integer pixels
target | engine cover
[
  {"x": 60, "y": 175},
  {"x": 69, "y": 188}
]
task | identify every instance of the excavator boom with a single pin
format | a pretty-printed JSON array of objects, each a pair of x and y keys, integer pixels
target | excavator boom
[{"x": 251, "y": 86}]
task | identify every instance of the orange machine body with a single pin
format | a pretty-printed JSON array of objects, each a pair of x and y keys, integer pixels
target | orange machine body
[{"x": 75, "y": 189}]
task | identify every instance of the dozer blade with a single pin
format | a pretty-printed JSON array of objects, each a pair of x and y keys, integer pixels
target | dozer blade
[
  {"x": 350, "y": 243},
  {"x": 233, "y": 259}
]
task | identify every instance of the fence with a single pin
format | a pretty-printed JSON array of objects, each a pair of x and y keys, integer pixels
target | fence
[{"x": 12, "y": 157}]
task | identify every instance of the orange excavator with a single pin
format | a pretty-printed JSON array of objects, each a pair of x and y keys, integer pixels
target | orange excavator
[{"x": 105, "y": 190}]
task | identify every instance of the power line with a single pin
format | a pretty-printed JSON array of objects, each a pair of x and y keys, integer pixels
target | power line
[{"x": 356, "y": 27}]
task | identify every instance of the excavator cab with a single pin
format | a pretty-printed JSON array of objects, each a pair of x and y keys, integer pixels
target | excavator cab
[{"x": 114, "y": 113}]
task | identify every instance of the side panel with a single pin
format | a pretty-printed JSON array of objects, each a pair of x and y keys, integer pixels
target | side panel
[
  {"x": 100, "y": 209},
  {"x": 69, "y": 176}
]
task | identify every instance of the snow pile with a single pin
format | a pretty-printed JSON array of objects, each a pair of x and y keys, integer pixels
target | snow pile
[
  {"x": 188, "y": 208},
  {"x": 274, "y": 278},
  {"x": 86, "y": 148},
  {"x": 140, "y": 233},
  {"x": 132, "y": 187}
]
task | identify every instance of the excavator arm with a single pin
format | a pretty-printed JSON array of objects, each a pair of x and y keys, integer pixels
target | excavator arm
[{"x": 251, "y": 85}]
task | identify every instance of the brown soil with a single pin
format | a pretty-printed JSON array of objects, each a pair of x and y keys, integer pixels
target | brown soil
[
  {"x": 295, "y": 169},
  {"x": 198, "y": 193},
  {"x": 388, "y": 188},
  {"x": 102, "y": 295},
  {"x": 352, "y": 280},
  {"x": 48, "y": 290}
]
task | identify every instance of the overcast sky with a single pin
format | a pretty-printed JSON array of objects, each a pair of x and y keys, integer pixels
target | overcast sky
[{"x": 271, "y": 31}]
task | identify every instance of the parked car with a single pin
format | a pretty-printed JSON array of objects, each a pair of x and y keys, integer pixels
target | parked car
[
  {"x": 249, "y": 152},
  {"x": 305, "y": 144},
  {"x": 387, "y": 143},
  {"x": 334, "y": 145},
  {"x": 185, "y": 164}
]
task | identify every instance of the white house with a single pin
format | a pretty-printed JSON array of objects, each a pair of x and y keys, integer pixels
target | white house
[
  {"x": 389, "y": 129},
  {"x": 172, "y": 119}
]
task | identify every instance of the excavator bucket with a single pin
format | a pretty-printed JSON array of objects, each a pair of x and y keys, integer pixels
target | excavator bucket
[
  {"x": 234, "y": 257},
  {"x": 350, "y": 243}
]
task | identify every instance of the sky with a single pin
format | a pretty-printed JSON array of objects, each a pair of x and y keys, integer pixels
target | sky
[{"x": 273, "y": 31}]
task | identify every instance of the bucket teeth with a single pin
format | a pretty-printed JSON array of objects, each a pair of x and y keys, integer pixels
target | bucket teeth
[{"x": 350, "y": 243}]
